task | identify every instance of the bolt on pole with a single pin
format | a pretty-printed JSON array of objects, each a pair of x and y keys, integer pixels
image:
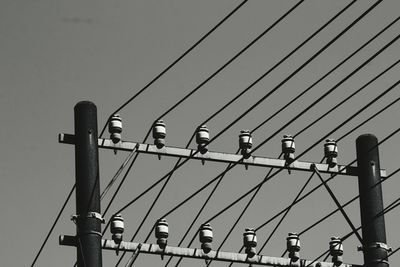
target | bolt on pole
[
  {"x": 88, "y": 218},
  {"x": 371, "y": 204}
]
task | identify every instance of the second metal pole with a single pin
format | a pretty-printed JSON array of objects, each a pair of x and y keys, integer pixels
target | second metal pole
[{"x": 371, "y": 204}]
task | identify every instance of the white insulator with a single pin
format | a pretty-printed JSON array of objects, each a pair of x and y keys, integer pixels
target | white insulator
[
  {"x": 161, "y": 230},
  {"x": 202, "y": 135},
  {"x": 249, "y": 238},
  {"x": 206, "y": 234},
  {"x": 206, "y": 237},
  {"x": 336, "y": 246},
  {"x": 330, "y": 148},
  {"x": 245, "y": 139},
  {"x": 293, "y": 242},
  {"x": 159, "y": 133},
  {"x": 115, "y": 128},
  {"x": 117, "y": 228},
  {"x": 288, "y": 145}
]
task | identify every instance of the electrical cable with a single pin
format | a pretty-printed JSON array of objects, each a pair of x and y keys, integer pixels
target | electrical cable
[
  {"x": 318, "y": 186},
  {"x": 347, "y": 218},
  {"x": 326, "y": 113},
  {"x": 352, "y": 116},
  {"x": 117, "y": 174},
  {"x": 220, "y": 69},
  {"x": 359, "y": 89},
  {"x": 53, "y": 225},
  {"x": 174, "y": 62},
  {"x": 297, "y": 97},
  {"x": 384, "y": 211},
  {"x": 297, "y": 70},
  {"x": 302, "y": 66}
]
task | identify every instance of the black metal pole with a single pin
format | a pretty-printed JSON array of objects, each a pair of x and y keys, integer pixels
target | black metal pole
[
  {"x": 88, "y": 218},
  {"x": 371, "y": 205}
]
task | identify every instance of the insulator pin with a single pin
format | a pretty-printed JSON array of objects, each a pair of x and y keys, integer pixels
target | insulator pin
[
  {"x": 161, "y": 233},
  {"x": 331, "y": 152},
  {"x": 159, "y": 133},
  {"x": 206, "y": 237},
  {"x": 117, "y": 228},
  {"x": 250, "y": 241},
  {"x": 245, "y": 143},
  {"x": 293, "y": 246},
  {"x": 115, "y": 128},
  {"x": 202, "y": 138}
]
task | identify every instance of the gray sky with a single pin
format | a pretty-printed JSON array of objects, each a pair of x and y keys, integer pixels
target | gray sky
[{"x": 56, "y": 53}]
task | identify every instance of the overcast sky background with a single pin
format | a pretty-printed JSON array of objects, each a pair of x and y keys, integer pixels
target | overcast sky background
[{"x": 54, "y": 54}]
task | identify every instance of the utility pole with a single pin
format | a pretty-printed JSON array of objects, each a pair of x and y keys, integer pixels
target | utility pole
[
  {"x": 371, "y": 205},
  {"x": 88, "y": 218}
]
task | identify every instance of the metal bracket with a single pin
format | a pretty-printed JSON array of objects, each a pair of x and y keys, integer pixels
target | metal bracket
[
  {"x": 375, "y": 245},
  {"x": 90, "y": 214}
]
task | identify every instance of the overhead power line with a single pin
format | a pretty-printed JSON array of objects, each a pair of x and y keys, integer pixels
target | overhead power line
[
  {"x": 270, "y": 70},
  {"x": 278, "y": 171},
  {"x": 53, "y": 225},
  {"x": 174, "y": 62},
  {"x": 208, "y": 79},
  {"x": 285, "y": 106}
]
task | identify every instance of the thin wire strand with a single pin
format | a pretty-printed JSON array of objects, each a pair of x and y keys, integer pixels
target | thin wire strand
[
  {"x": 175, "y": 62},
  {"x": 351, "y": 117},
  {"x": 307, "y": 62},
  {"x": 301, "y": 94},
  {"x": 54, "y": 224},
  {"x": 385, "y": 210},
  {"x": 343, "y": 100},
  {"x": 347, "y": 218},
  {"x": 237, "y": 55},
  {"x": 297, "y": 70}
]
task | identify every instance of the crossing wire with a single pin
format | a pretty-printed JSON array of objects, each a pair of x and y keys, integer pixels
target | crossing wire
[
  {"x": 174, "y": 62},
  {"x": 307, "y": 127},
  {"x": 226, "y": 64},
  {"x": 312, "y": 146},
  {"x": 53, "y": 225},
  {"x": 279, "y": 85},
  {"x": 284, "y": 107},
  {"x": 286, "y": 210},
  {"x": 215, "y": 73},
  {"x": 366, "y": 62},
  {"x": 271, "y": 69},
  {"x": 392, "y": 206},
  {"x": 294, "y": 73}
]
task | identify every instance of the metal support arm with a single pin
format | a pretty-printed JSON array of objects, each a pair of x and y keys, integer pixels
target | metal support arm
[
  {"x": 199, "y": 254},
  {"x": 219, "y": 156}
]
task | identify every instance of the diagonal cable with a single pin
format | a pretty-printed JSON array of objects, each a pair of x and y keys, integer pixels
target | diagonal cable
[
  {"x": 347, "y": 218},
  {"x": 174, "y": 62}
]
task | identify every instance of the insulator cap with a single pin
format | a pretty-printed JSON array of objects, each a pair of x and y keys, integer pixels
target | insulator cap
[
  {"x": 159, "y": 133},
  {"x": 161, "y": 230},
  {"x": 202, "y": 135},
  {"x": 205, "y": 233},
  {"x": 115, "y": 128},
  {"x": 117, "y": 228},
  {"x": 293, "y": 242},
  {"x": 249, "y": 238},
  {"x": 336, "y": 250},
  {"x": 288, "y": 145},
  {"x": 330, "y": 148},
  {"x": 336, "y": 246},
  {"x": 245, "y": 143}
]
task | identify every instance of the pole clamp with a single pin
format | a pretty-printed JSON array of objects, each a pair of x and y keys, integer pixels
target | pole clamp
[
  {"x": 375, "y": 245},
  {"x": 90, "y": 214}
]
